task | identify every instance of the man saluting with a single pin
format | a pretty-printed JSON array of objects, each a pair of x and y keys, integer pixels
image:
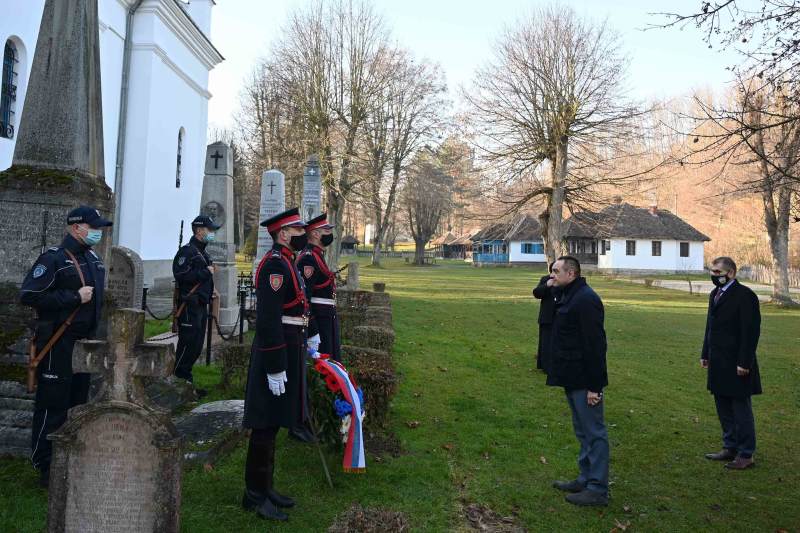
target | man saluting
[
  {"x": 274, "y": 395},
  {"x": 322, "y": 284}
]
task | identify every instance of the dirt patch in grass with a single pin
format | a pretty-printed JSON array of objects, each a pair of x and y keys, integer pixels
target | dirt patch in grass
[
  {"x": 478, "y": 517},
  {"x": 383, "y": 444},
  {"x": 359, "y": 519}
]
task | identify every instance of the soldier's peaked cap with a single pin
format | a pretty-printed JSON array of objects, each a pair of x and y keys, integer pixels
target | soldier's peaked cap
[
  {"x": 282, "y": 220},
  {"x": 203, "y": 221},
  {"x": 319, "y": 222},
  {"x": 89, "y": 215}
]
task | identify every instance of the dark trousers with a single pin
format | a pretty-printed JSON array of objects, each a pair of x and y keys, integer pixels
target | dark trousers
[
  {"x": 543, "y": 349},
  {"x": 191, "y": 337},
  {"x": 260, "y": 464},
  {"x": 738, "y": 426},
  {"x": 329, "y": 341},
  {"x": 57, "y": 391},
  {"x": 590, "y": 430}
]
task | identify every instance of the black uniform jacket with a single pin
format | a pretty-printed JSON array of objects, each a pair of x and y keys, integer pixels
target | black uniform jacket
[
  {"x": 733, "y": 327},
  {"x": 319, "y": 278},
  {"x": 578, "y": 350},
  {"x": 189, "y": 268},
  {"x": 51, "y": 287},
  {"x": 277, "y": 346},
  {"x": 547, "y": 296}
]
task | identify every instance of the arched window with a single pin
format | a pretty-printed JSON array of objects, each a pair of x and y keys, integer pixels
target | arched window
[
  {"x": 8, "y": 90},
  {"x": 180, "y": 155}
]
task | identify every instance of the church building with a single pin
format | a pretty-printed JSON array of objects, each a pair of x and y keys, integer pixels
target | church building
[{"x": 155, "y": 59}]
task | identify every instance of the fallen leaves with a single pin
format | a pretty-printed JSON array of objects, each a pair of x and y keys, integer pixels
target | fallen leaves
[
  {"x": 413, "y": 424},
  {"x": 543, "y": 459}
]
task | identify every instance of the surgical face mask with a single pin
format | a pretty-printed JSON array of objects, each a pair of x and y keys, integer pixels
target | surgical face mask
[
  {"x": 326, "y": 240},
  {"x": 298, "y": 242},
  {"x": 93, "y": 236},
  {"x": 209, "y": 237},
  {"x": 719, "y": 281}
]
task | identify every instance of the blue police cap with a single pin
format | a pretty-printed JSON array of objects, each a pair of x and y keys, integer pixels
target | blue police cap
[
  {"x": 89, "y": 215},
  {"x": 205, "y": 222}
]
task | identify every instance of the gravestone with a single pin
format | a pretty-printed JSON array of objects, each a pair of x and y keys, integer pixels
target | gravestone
[
  {"x": 125, "y": 278},
  {"x": 58, "y": 156},
  {"x": 217, "y": 203},
  {"x": 312, "y": 190},
  {"x": 273, "y": 201},
  {"x": 117, "y": 460}
]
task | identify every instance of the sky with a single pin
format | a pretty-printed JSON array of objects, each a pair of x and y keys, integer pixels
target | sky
[{"x": 459, "y": 34}]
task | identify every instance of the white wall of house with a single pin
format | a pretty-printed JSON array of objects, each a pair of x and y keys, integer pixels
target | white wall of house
[
  {"x": 515, "y": 254},
  {"x": 669, "y": 260},
  {"x": 168, "y": 91}
]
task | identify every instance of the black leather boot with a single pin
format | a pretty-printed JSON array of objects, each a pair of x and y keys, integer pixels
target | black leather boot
[
  {"x": 273, "y": 496},
  {"x": 255, "y": 477}
]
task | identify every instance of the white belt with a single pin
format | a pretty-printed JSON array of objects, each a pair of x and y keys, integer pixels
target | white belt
[
  {"x": 323, "y": 301},
  {"x": 295, "y": 320}
]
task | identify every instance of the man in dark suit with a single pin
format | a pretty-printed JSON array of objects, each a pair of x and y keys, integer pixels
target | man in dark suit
[
  {"x": 578, "y": 363},
  {"x": 544, "y": 292},
  {"x": 733, "y": 327}
]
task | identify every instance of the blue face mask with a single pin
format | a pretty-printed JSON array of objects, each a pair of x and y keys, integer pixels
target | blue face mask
[
  {"x": 209, "y": 237},
  {"x": 93, "y": 236}
]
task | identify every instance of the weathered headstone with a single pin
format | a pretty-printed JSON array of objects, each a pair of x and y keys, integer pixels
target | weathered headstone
[
  {"x": 125, "y": 278},
  {"x": 312, "y": 190},
  {"x": 351, "y": 283},
  {"x": 117, "y": 461},
  {"x": 58, "y": 157},
  {"x": 217, "y": 203},
  {"x": 273, "y": 201}
]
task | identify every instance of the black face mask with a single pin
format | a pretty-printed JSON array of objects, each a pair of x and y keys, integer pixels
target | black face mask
[
  {"x": 326, "y": 240},
  {"x": 298, "y": 242},
  {"x": 719, "y": 281}
]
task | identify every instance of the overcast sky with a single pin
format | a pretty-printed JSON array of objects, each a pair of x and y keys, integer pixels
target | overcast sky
[{"x": 458, "y": 34}]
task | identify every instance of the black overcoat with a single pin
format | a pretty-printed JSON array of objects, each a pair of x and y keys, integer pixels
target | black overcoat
[
  {"x": 733, "y": 326},
  {"x": 547, "y": 309},
  {"x": 277, "y": 346}
]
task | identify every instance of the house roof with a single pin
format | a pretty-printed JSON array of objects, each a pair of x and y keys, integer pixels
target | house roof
[
  {"x": 447, "y": 238},
  {"x": 521, "y": 228},
  {"x": 627, "y": 221},
  {"x": 349, "y": 239}
]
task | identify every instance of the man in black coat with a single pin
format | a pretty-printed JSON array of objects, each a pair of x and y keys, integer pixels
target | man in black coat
[
  {"x": 274, "y": 397},
  {"x": 733, "y": 326},
  {"x": 63, "y": 292},
  {"x": 578, "y": 363},
  {"x": 194, "y": 277},
  {"x": 544, "y": 291}
]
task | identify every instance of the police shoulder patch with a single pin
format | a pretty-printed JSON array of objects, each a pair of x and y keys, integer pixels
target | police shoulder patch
[
  {"x": 53, "y": 249},
  {"x": 39, "y": 270},
  {"x": 276, "y": 281},
  {"x": 308, "y": 271},
  {"x": 181, "y": 260}
]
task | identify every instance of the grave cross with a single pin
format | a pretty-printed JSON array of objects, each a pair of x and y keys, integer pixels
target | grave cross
[
  {"x": 271, "y": 186},
  {"x": 124, "y": 358},
  {"x": 216, "y": 157}
]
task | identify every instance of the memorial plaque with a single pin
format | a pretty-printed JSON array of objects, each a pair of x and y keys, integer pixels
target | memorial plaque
[
  {"x": 312, "y": 190},
  {"x": 125, "y": 278},
  {"x": 273, "y": 201}
]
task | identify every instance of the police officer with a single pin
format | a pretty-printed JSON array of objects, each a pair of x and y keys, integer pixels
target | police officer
[
  {"x": 194, "y": 277},
  {"x": 275, "y": 396},
  {"x": 65, "y": 286},
  {"x": 322, "y": 284}
]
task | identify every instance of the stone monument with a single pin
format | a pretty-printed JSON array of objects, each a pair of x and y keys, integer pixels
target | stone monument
[
  {"x": 125, "y": 278},
  {"x": 312, "y": 190},
  {"x": 273, "y": 201},
  {"x": 58, "y": 157},
  {"x": 217, "y": 203},
  {"x": 117, "y": 461}
]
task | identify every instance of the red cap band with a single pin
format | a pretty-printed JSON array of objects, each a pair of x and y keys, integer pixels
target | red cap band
[{"x": 286, "y": 221}]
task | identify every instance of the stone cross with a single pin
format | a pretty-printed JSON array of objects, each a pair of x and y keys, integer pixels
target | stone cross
[
  {"x": 216, "y": 157},
  {"x": 124, "y": 358}
]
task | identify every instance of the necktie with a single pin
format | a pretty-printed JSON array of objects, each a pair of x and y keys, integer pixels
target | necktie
[{"x": 718, "y": 296}]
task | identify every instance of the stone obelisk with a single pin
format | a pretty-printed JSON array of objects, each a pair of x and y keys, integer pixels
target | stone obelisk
[{"x": 58, "y": 157}]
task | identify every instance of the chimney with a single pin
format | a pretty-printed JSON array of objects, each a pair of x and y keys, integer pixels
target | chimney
[{"x": 654, "y": 205}]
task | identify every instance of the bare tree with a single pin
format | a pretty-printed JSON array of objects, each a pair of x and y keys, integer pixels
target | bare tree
[
  {"x": 427, "y": 199},
  {"x": 550, "y": 110},
  {"x": 404, "y": 116}
]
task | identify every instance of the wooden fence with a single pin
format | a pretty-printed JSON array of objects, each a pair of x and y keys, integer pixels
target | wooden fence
[{"x": 763, "y": 274}]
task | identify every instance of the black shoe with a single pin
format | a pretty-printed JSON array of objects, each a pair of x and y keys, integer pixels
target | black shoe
[
  {"x": 280, "y": 500},
  {"x": 251, "y": 500},
  {"x": 725, "y": 454},
  {"x": 44, "y": 478},
  {"x": 587, "y": 498},
  {"x": 569, "y": 486},
  {"x": 268, "y": 511},
  {"x": 302, "y": 434}
]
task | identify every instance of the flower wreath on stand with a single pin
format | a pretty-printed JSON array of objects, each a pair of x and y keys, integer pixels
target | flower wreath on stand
[{"x": 347, "y": 400}]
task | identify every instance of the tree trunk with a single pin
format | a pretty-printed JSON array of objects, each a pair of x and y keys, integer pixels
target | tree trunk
[
  {"x": 376, "y": 251},
  {"x": 419, "y": 252},
  {"x": 776, "y": 218},
  {"x": 554, "y": 237}
]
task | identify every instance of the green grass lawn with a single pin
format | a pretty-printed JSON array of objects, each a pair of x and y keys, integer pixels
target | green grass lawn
[{"x": 491, "y": 432}]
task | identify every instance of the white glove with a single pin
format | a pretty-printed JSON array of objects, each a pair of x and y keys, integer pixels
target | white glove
[
  {"x": 276, "y": 383},
  {"x": 313, "y": 343}
]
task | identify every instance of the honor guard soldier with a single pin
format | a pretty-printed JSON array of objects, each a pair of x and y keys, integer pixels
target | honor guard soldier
[
  {"x": 322, "y": 287},
  {"x": 275, "y": 392},
  {"x": 194, "y": 280},
  {"x": 65, "y": 286}
]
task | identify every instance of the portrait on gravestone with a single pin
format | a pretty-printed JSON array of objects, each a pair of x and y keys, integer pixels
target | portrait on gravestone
[{"x": 216, "y": 211}]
